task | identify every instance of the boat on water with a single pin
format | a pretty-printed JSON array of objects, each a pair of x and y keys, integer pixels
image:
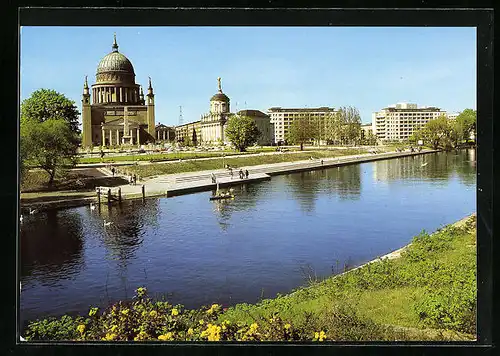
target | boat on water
[{"x": 224, "y": 195}]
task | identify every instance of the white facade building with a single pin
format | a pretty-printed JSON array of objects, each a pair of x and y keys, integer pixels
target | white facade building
[
  {"x": 282, "y": 118},
  {"x": 398, "y": 122}
]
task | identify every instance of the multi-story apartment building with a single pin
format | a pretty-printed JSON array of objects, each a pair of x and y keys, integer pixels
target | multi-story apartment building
[
  {"x": 398, "y": 122},
  {"x": 452, "y": 115},
  {"x": 282, "y": 118}
]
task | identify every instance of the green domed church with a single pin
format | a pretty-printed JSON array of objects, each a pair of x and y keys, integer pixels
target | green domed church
[{"x": 114, "y": 111}]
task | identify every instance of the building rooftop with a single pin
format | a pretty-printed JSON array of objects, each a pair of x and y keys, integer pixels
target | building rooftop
[
  {"x": 254, "y": 113},
  {"x": 280, "y": 109}
]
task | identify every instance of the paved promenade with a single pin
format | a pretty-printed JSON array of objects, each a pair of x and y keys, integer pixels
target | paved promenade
[
  {"x": 191, "y": 182},
  {"x": 184, "y": 183}
]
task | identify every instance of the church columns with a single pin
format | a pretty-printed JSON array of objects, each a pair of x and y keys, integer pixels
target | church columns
[
  {"x": 163, "y": 135},
  {"x": 117, "y": 137},
  {"x": 138, "y": 139},
  {"x": 110, "y": 137},
  {"x": 103, "y": 136}
]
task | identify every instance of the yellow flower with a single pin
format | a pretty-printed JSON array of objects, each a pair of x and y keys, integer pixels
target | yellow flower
[
  {"x": 108, "y": 337},
  {"x": 81, "y": 328},
  {"x": 287, "y": 326},
  {"x": 125, "y": 311},
  {"x": 213, "y": 308},
  {"x": 175, "y": 312},
  {"x": 254, "y": 326},
  {"x": 201, "y": 322},
  {"x": 166, "y": 337},
  {"x": 190, "y": 331},
  {"x": 113, "y": 328},
  {"x": 319, "y": 336},
  {"x": 212, "y": 332},
  {"x": 93, "y": 311},
  {"x": 141, "y": 336},
  {"x": 153, "y": 313}
]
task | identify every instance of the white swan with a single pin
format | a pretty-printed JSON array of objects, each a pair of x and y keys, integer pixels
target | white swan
[
  {"x": 92, "y": 206},
  {"x": 33, "y": 211},
  {"x": 21, "y": 218},
  {"x": 107, "y": 223},
  {"x": 424, "y": 164}
]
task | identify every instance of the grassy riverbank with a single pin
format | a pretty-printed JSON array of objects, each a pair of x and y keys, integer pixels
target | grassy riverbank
[
  {"x": 428, "y": 293},
  {"x": 202, "y": 165}
]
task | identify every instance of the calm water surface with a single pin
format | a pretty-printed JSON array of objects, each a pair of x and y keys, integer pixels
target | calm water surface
[{"x": 195, "y": 252}]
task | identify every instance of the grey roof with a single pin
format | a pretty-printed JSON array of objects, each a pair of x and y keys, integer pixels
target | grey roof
[
  {"x": 252, "y": 113},
  {"x": 115, "y": 62}
]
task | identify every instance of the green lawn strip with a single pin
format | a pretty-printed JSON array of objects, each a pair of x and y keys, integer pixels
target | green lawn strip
[
  {"x": 193, "y": 166},
  {"x": 159, "y": 157}
]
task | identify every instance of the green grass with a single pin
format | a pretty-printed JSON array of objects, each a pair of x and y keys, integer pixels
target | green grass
[
  {"x": 193, "y": 166},
  {"x": 395, "y": 292},
  {"x": 158, "y": 157}
]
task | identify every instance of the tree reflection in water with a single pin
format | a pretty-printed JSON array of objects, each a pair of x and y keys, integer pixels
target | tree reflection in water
[
  {"x": 125, "y": 235},
  {"x": 438, "y": 167},
  {"x": 51, "y": 245},
  {"x": 345, "y": 182}
]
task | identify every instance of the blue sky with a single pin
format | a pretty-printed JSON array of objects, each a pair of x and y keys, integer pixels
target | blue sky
[{"x": 262, "y": 67}]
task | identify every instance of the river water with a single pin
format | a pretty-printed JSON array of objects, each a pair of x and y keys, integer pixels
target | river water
[{"x": 266, "y": 241}]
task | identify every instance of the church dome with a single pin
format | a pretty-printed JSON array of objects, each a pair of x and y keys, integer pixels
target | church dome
[
  {"x": 115, "y": 68},
  {"x": 220, "y": 97},
  {"x": 115, "y": 62}
]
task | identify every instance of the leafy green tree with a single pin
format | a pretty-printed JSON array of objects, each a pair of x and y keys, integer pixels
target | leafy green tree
[
  {"x": 51, "y": 145},
  {"x": 438, "y": 133},
  {"x": 302, "y": 130},
  {"x": 45, "y": 104},
  {"x": 466, "y": 124},
  {"x": 241, "y": 131},
  {"x": 334, "y": 128},
  {"x": 370, "y": 139},
  {"x": 350, "y": 121}
]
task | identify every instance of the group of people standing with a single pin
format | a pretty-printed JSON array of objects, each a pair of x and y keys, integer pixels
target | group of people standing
[{"x": 241, "y": 174}]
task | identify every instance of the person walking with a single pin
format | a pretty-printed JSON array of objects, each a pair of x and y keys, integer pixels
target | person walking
[
  {"x": 241, "y": 173},
  {"x": 231, "y": 172},
  {"x": 321, "y": 162},
  {"x": 130, "y": 180},
  {"x": 246, "y": 173},
  {"x": 135, "y": 179},
  {"x": 113, "y": 171}
]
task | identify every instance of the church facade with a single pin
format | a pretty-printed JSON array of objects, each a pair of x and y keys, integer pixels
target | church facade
[
  {"x": 114, "y": 110},
  {"x": 213, "y": 123}
]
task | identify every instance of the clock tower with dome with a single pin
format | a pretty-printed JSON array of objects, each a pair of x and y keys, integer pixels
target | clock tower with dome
[{"x": 114, "y": 110}]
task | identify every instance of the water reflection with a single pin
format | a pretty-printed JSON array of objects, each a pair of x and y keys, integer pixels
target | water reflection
[
  {"x": 51, "y": 246},
  {"x": 344, "y": 182},
  {"x": 438, "y": 167},
  {"x": 128, "y": 225},
  {"x": 247, "y": 197}
]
